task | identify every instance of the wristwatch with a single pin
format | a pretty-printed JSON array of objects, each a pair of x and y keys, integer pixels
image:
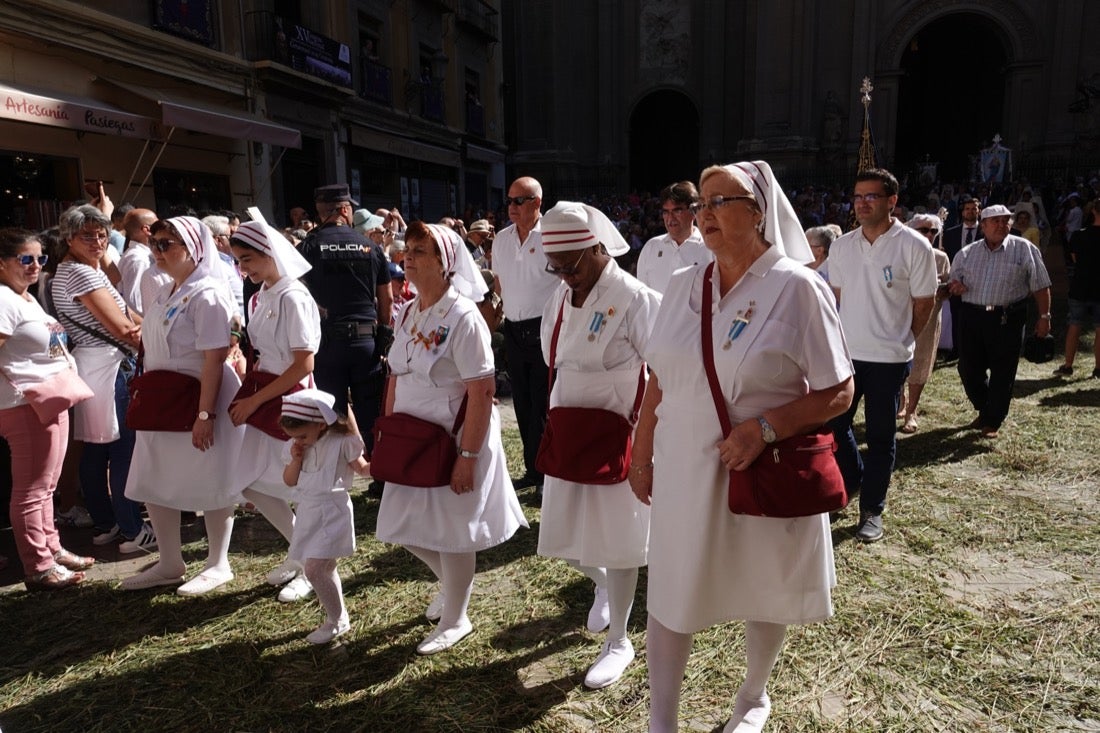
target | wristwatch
[
  {"x": 204, "y": 415},
  {"x": 1045, "y": 317},
  {"x": 767, "y": 432},
  {"x": 468, "y": 453}
]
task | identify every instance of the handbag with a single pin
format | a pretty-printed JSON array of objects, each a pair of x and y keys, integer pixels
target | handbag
[
  {"x": 266, "y": 417},
  {"x": 415, "y": 452},
  {"x": 795, "y": 477},
  {"x": 586, "y": 445},
  {"x": 162, "y": 400},
  {"x": 55, "y": 394}
]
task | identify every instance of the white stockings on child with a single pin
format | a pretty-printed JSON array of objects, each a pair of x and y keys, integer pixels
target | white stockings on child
[{"x": 322, "y": 575}]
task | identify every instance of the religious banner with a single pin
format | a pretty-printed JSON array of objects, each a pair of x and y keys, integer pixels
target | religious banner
[{"x": 996, "y": 162}]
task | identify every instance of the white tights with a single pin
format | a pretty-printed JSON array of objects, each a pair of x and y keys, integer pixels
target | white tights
[
  {"x": 667, "y": 652},
  {"x": 166, "y": 525},
  {"x": 321, "y": 574},
  {"x": 621, "y": 583},
  {"x": 455, "y": 571}
]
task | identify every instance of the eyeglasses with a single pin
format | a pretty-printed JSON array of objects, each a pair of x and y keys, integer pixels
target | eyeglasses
[
  {"x": 28, "y": 260},
  {"x": 715, "y": 202},
  {"x": 568, "y": 270},
  {"x": 675, "y": 211},
  {"x": 926, "y": 230},
  {"x": 518, "y": 200},
  {"x": 870, "y": 198},
  {"x": 162, "y": 245},
  {"x": 97, "y": 237}
]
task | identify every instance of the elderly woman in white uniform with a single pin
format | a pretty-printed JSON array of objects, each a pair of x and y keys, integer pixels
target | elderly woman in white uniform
[
  {"x": 284, "y": 327},
  {"x": 187, "y": 331},
  {"x": 606, "y": 317},
  {"x": 440, "y": 354},
  {"x": 784, "y": 370}
]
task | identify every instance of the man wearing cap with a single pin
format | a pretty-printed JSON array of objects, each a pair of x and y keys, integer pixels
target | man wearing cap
[
  {"x": 525, "y": 287},
  {"x": 350, "y": 280},
  {"x": 479, "y": 239},
  {"x": 682, "y": 245},
  {"x": 994, "y": 277},
  {"x": 884, "y": 276}
]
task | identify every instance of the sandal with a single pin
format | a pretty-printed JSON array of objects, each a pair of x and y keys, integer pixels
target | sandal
[
  {"x": 55, "y": 578},
  {"x": 910, "y": 425},
  {"x": 72, "y": 561}
]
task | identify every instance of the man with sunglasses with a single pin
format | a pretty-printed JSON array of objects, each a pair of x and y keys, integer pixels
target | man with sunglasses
[
  {"x": 884, "y": 276},
  {"x": 141, "y": 278},
  {"x": 525, "y": 287},
  {"x": 350, "y": 280},
  {"x": 682, "y": 245}
]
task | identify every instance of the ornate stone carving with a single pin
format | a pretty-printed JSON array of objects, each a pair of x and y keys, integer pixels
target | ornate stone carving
[{"x": 665, "y": 36}]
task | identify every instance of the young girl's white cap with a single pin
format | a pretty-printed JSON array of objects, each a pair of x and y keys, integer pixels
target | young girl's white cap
[{"x": 311, "y": 405}]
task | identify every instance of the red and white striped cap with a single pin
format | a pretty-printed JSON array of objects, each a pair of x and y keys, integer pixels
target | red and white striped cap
[
  {"x": 311, "y": 405},
  {"x": 571, "y": 226}
]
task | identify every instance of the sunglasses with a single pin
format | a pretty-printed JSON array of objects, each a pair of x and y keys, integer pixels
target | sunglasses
[
  {"x": 28, "y": 260},
  {"x": 926, "y": 230},
  {"x": 567, "y": 270},
  {"x": 518, "y": 200},
  {"x": 163, "y": 245}
]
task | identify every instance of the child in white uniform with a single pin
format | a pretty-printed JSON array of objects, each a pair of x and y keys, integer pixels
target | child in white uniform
[{"x": 323, "y": 453}]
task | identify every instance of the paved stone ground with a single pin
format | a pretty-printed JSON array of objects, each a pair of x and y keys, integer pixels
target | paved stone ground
[{"x": 110, "y": 565}]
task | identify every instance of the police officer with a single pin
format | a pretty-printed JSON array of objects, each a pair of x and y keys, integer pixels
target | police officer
[{"x": 350, "y": 281}]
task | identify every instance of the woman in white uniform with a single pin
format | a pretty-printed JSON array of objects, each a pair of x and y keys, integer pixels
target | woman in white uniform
[
  {"x": 284, "y": 327},
  {"x": 783, "y": 367},
  {"x": 605, "y": 318},
  {"x": 186, "y": 330},
  {"x": 440, "y": 354}
]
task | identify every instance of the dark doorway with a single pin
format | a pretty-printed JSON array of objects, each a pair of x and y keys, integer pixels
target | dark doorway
[
  {"x": 951, "y": 94},
  {"x": 301, "y": 173},
  {"x": 664, "y": 141}
]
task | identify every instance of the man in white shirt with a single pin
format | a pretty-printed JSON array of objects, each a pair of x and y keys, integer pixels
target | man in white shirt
[
  {"x": 681, "y": 247},
  {"x": 525, "y": 287},
  {"x": 138, "y": 259},
  {"x": 884, "y": 276}
]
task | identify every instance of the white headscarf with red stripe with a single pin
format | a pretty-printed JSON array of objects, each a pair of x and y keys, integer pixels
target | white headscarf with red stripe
[
  {"x": 458, "y": 263},
  {"x": 311, "y": 405},
  {"x": 270, "y": 241},
  {"x": 781, "y": 225},
  {"x": 571, "y": 226},
  {"x": 199, "y": 242}
]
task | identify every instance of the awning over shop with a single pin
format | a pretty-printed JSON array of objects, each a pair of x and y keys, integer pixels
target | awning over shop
[
  {"x": 75, "y": 113},
  {"x": 214, "y": 120}
]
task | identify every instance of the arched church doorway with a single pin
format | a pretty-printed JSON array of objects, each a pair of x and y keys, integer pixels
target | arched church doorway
[
  {"x": 951, "y": 93},
  {"x": 664, "y": 141}
]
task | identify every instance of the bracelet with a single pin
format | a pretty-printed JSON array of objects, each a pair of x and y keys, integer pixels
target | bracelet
[{"x": 642, "y": 467}]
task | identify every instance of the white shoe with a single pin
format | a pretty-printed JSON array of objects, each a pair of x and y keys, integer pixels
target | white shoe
[
  {"x": 105, "y": 538},
  {"x": 442, "y": 639},
  {"x": 328, "y": 631},
  {"x": 615, "y": 657},
  {"x": 204, "y": 582},
  {"x": 149, "y": 578},
  {"x": 285, "y": 573},
  {"x": 749, "y": 716},
  {"x": 146, "y": 541},
  {"x": 599, "y": 616},
  {"x": 296, "y": 590},
  {"x": 435, "y": 609}
]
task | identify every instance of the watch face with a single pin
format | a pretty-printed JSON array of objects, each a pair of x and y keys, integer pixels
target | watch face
[{"x": 204, "y": 415}]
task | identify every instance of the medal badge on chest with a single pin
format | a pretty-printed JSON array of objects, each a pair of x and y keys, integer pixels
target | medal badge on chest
[
  {"x": 888, "y": 276},
  {"x": 599, "y": 320},
  {"x": 741, "y": 320},
  {"x": 175, "y": 309}
]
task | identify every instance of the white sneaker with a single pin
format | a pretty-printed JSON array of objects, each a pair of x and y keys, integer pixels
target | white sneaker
[
  {"x": 146, "y": 541},
  {"x": 615, "y": 657},
  {"x": 285, "y": 573},
  {"x": 76, "y": 516},
  {"x": 296, "y": 590},
  {"x": 328, "y": 631},
  {"x": 749, "y": 716},
  {"x": 106, "y": 538},
  {"x": 204, "y": 582},
  {"x": 599, "y": 616},
  {"x": 435, "y": 608}
]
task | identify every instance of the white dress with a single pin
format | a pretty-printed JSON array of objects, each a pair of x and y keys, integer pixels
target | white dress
[
  {"x": 166, "y": 469},
  {"x": 598, "y": 526},
  {"x": 282, "y": 319},
  {"x": 325, "y": 526},
  {"x": 430, "y": 385},
  {"x": 708, "y": 566}
]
